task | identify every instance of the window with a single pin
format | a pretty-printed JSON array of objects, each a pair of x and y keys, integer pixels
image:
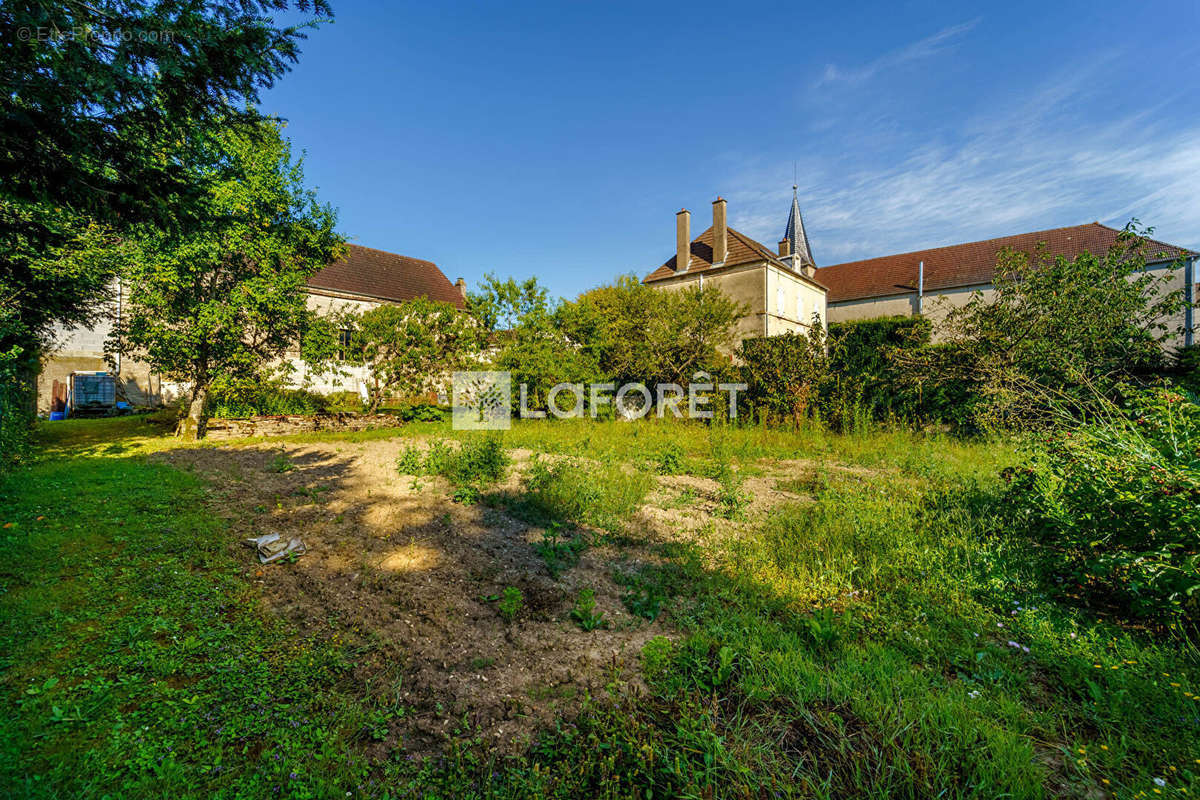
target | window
[
  {"x": 345, "y": 336},
  {"x": 799, "y": 308},
  {"x": 779, "y": 306}
]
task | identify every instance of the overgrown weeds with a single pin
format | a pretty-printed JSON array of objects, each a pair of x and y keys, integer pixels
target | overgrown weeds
[
  {"x": 476, "y": 463},
  {"x": 568, "y": 490}
]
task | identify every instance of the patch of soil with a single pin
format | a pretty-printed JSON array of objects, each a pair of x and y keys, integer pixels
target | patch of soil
[{"x": 407, "y": 579}]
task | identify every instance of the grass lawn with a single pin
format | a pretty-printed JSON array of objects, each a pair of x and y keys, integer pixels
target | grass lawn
[{"x": 774, "y": 614}]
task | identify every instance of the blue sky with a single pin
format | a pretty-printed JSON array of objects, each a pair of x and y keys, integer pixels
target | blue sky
[{"x": 559, "y": 139}]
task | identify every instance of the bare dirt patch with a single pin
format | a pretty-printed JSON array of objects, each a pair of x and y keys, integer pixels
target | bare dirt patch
[{"x": 407, "y": 579}]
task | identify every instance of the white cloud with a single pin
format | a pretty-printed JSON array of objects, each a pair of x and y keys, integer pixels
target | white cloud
[
  {"x": 1037, "y": 166},
  {"x": 924, "y": 48}
]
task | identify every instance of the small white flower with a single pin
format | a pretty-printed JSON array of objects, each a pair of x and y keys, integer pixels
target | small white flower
[
  {"x": 1160, "y": 782},
  {"x": 1026, "y": 649},
  {"x": 973, "y": 694}
]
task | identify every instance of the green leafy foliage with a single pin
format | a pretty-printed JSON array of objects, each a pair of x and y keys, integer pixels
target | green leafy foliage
[
  {"x": 636, "y": 333},
  {"x": 242, "y": 398},
  {"x": 477, "y": 462},
  {"x": 407, "y": 346},
  {"x": 567, "y": 490},
  {"x": 559, "y": 550},
  {"x": 1114, "y": 505},
  {"x": 585, "y": 614},
  {"x": 224, "y": 296},
  {"x": 511, "y": 603},
  {"x": 669, "y": 460},
  {"x": 784, "y": 374},
  {"x": 1058, "y": 330},
  {"x": 731, "y": 497},
  {"x": 103, "y": 105}
]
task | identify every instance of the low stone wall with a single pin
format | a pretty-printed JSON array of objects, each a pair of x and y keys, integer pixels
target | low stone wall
[{"x": 298, "y": 423}]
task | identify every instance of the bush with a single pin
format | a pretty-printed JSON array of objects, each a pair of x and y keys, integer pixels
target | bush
[
  {"x": 479, "y": 461},
  {"x": 1186, "y": 368},
  {"x": 1116, "y": 505},
  {"x": 16, "y": 414},
  {"x": 350, "y": 402},
  {"x": 420, "y": 412},
  {"x": 784, "y": 374},
  {"x": 262, "y": 398},
  {"x": 863, "y": 369}
]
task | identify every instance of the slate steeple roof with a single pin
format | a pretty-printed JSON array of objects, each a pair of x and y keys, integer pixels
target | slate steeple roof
[{"x": 796, "y": 235}]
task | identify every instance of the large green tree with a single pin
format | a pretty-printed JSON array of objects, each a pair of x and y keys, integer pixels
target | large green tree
[
  {"x": 225, "y": 295},
  {"x": 504, "y": 304},
  {"x": 96, "y": 100},
  {"x": 637, "y": 333},
  {"x": 407, "y": 347}
]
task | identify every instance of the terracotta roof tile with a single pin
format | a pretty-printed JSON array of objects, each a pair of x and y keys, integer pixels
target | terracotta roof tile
[
  {"x": 968, "y": 264},
  {"x": 386, "y": 276},
  {"x": 742, "y": 250}
]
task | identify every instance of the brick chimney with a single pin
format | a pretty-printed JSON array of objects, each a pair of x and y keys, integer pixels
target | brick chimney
[
  {"x": 683, "y": 240},
  {"x": 461, "y": 285},
  {"x": 720, "y": 232},
  {"x": 785, "y": 248}
]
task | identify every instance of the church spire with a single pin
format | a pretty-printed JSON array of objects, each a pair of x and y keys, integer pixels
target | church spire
[{"x": 796, "y": 236}]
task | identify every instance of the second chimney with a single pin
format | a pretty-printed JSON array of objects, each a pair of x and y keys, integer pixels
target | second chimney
[
  {"x": 785, "y": 248},
  {"x": 720, "y": 232},
  {"x": 683, "y": 240}
]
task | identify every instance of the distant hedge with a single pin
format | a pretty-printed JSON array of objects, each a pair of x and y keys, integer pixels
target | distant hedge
[{"x": 853, "y": 375}]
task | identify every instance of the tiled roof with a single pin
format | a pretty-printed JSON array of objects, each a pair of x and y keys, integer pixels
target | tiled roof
[
  {"x": 969, "y": 264},
  {"x": 741, "y": 250},
  {"x": 386, "y": 276}
]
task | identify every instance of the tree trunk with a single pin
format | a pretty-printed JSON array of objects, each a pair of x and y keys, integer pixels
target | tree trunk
[{"x": 194, "y": 426}]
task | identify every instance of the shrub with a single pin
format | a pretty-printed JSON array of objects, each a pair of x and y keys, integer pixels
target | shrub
[
  {"x": 420, "y": 412},
  {"x": 345, "y": 401},
  {"x": 16, "y": 413},
  {"x": 511, "y": 603},
  {"x": 784, "y": 374},
  {"x": 585, "y": 614},
  {"x": 477, "y": 462},
  {"x": 233, "y": 399},
  {"x": 410, "y": 461},
  {"x": 558, "y": 551},
  {"x": 1186, "y": 368},
  {"x": 732, "y": 498},
  {"x": 1116, "y": 504},
  {"x": 669, "y": 460},
  {"x": 480, "y": 460},
  {"x": 866, "y": 381}
]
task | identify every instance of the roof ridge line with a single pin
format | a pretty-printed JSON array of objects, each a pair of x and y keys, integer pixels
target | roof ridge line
[{"x": 390, "y": 253}]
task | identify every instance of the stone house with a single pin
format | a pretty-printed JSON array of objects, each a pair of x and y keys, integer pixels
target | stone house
[
  {"x": 364, "y": 279},
  {"x": 931, "y": 282},
  {"x": 781, "y": 289}
]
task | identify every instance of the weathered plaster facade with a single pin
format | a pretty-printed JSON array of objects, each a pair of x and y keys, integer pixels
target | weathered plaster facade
[
  {"x": 777, "y": 288},
  {"x": 397, "y": 278}
]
